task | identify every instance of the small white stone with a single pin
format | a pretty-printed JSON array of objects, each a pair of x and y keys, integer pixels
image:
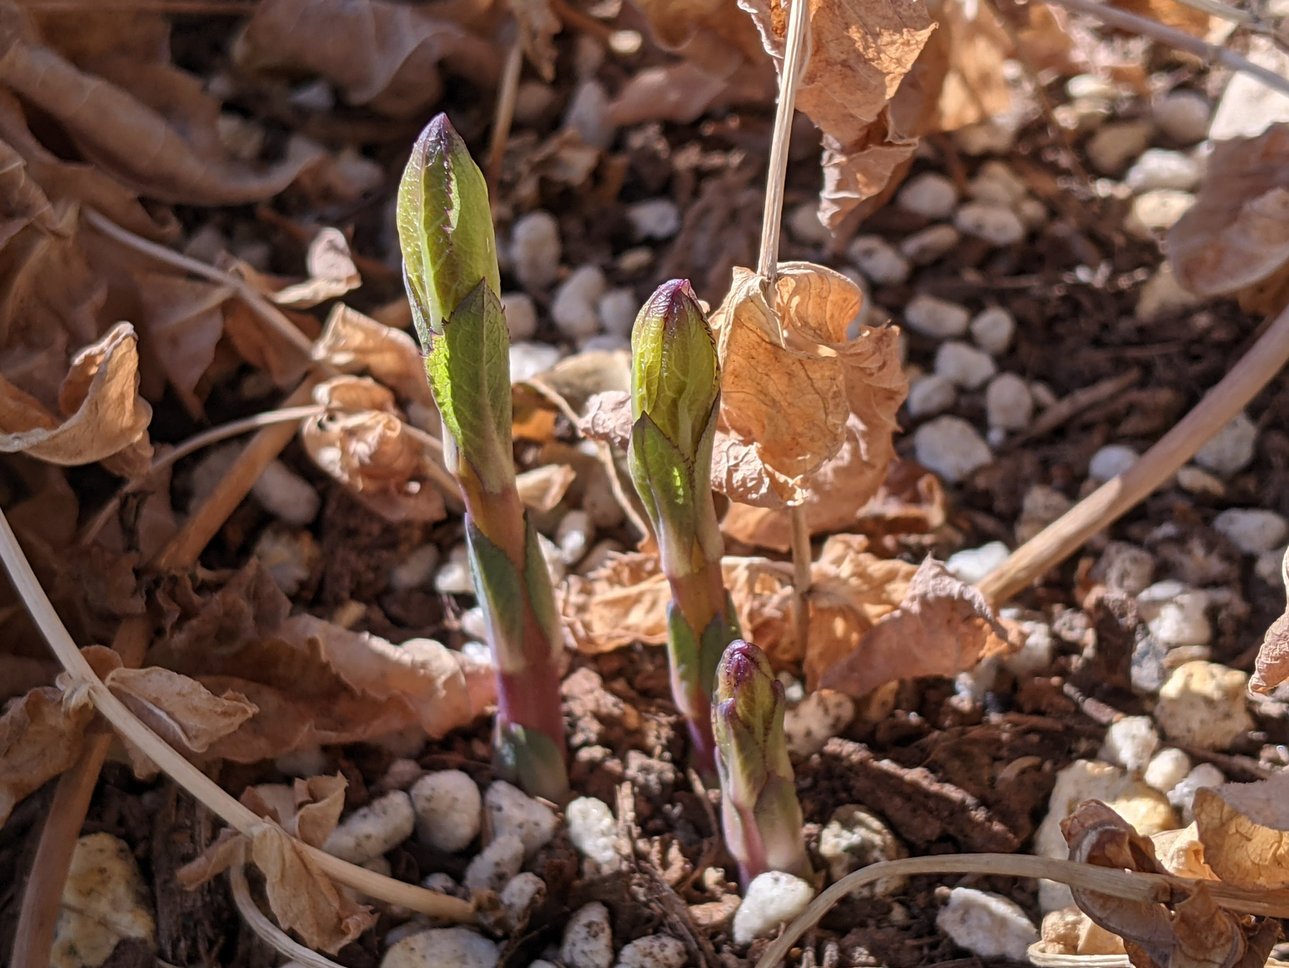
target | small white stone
[
  {"x": 588, "y": 114},
  {"x": 593, "y": 831},
  {"x": 511, "y": 811},
  {"x": 527, "y": 360},
  {"x": 1269, "y": 566},
  {"x": 964, "y": 365},
  {"x": 1156, "y": 211},
  {"x": 803, "y": 224},
  {"x": 574, "y": 307},
  {"x": 992, "y": 329},
  {"x": 1111, "y": 461},
  {"x": 453, "y": 576},
  {"x": 997, "y": 184},
  {"x": 1009, "y": 405},
  {"x": 1040, "y": 506},
  {"x": 653, "y": 951},
  {"x": 951, "y": 447},
  {"x": 449, "y": 810},
  {"x": 1183, "y": 116},
  {"x": 1252, "y": 530},
  {"x": 930, "y": 195},
  {"x": 1161, "y": 294},
  {"x": 286, "y": 495},
  {"x": 1124, "y": 567},
  {"x": 987, "y": 925},
  {"x": 821, "y": 715},
  {"x": 493, "y": 867},
  {"x": 521, "y": 895},
  {"x": 532, "y": 102},
  {"x": 993, "y": 137},
  {"x": 535, "y": 249},
  {"x": 878, "y": 260},
  {"x": 992, "y": 223},
  {"x": 973, "y": 564},
  {"x": 1202, "y": 704},
  {"x": 588, "y": 938},
  {"x": 1116, "y": 144},
  {"x": 441, "y": 883},
  {"x": 1160, "y": 168},
  {"x": 521, "y": 315},
  {"x": 1231, "y": 449},
  {"x": 1035, "y": 653},
  {"x": 1182, "y": 796},
  {"x": 654, "y": 218},
  {"x": 930, "y": 395},
  {"x": 458, "y": 947},
  {"x": 772, "y": 899},
  {"x": 415, "y": 569},
  {"x": 574, "y": 536},
  {"x": 854, "y": 838},
  {"x": 1196, "y": 480},
  {"x": 1089, "y": 85},
  {"x": 1130, "y": 742},
  {"x": 1032, "y": 212},
  {"x": 474, "y": 623},
  {"x": 930, "y": 244},
  {"x": 1166, "y": 769},
  {"x": 935, "y": 317},
  {"x": 371, "y": 830},
  {"x": 1175, "y": 614},
  {"x": 104, "y": 902},
  {"x": 618, "y": 309}
]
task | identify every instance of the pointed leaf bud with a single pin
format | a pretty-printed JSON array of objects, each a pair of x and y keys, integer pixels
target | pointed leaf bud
[
  {"x": 749, "y": 710},
  {"x": 444, "y": 228}
]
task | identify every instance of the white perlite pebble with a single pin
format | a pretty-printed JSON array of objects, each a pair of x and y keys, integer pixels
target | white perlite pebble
[
  {"x": 854, "y": 838},
  {"x": 574, "y": 536},
  {"x": 935, "y": 317},
  {"x": 992, "y": 329},
  {"x": 973, "y": 564},
  {"x": 574, "y": 307},
  {"x": 1175, "y": 614},
  {"x": 618, "y": 309},
  {"x": 1182, "y": 796},
  {"x": 1116, "y": 144},
  {"x": 1196, "y": 480},
  {"x": 588, "y": 114},
  {"x": 1183, "y": 116},
  {"x": 1252, "y": 530},
  {"x": 1125, "y": 567},
  {"x": 415, "y": 569},
  {"x": 1166, "y": 769},
  {"x": 963, "y": 364},
  {"x": 997, "y": 184},
  {"x": 1155, "y": 212},
  {"x": 821, "y": 715},
  {"x": 104, "y": 902},
  {"x": 1009, "y": 405},
  {"x": 521, "y": 315},
  {"x": 804, "y": 225},
  {"x": 1269, "y": 565},
  {"x": 772, "y": 899},
  {"x": 1111, "y": 461},
  {"x": 448, "y": 810},
  {"x": 950, "y": 447},
  {"x": 371, "y": 830},
  {"x": 511, "y": 811},
  {"x": 930, "y": 244},
  {"x": 593, "y": 831},
  {"x": 493, "y": 867},
  {"x": 993, "y": 137},
  {"x": 588, "y": 938},
  {"x": 1130, "y": 742},
  {"x": 930, "y": 395},
  {"x": 529, "y": 359},
  {"x": 1161, "y": 294},
  {"x": 878, "y": 260},
  {"x": 992, "y": 223},
  {"x": 1040, "y": 506},
  {"x": 988, "y": 925},
  {"x": 1231, "y": 449},
  {"x": 1202, "y": 704},
  {"x": 654, "y": 218},
  {"x": 930, "y": 195},
  {"x": 459, "y": 947},
  {"x": 522, "y": 893},
  {"x": 653, "y": 951},
  {"x": 1159, "y": 168},
  {"x": 535, "y": 249},
  {"x": 286, "y": 495}
]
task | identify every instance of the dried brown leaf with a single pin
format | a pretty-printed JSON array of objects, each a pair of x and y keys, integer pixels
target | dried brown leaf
[
  {"x": 39, "y": 738},
  {"x": 183, "y": 321},
  {"x": 386, "y": 55},
  {"x": 354, "y": 343},
  {"x": 1193, "y": 20},
  {"x": 709, "y": 33},
  {"x": 1237, "y": 232},
  {"x": 103, "y": 413},
  {"x": 331, "y": 269},
  {"x": 621, "y": 602},
  {"x": 368, "y": 449},
  {"x": 538, "y": 26},
  {"x": 942, "y": 626},
  {"x": 542, "y": 488},
  {"x": 264, "y": 347},
  {"x": 1272, "y": 666},
  {"x": 1245, "y": 831}
]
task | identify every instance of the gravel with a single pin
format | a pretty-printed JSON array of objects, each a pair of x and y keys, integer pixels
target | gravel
[
  {"x": 935, "y": 317},
  {"x": 951, "y": 447},
  {"x": 1231, "y": 449}
]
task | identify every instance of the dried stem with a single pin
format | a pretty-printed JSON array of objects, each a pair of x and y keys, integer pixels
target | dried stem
[
  {"x": 1060, "y": 539},
  {"x": 504, "y": 115},
  {"x": 266, "y": 930},
  {"x": 184, "y": 773},
  {"x": 1132, "y": 885}
]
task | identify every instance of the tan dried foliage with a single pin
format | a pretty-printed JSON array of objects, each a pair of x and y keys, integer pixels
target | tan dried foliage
[
  {"x": 542, "y": 488},
  {"x": 378, "y": 53},
  {"x": 1184, "y": 16},
  {"x": 1272, "y": 666},
  {"x": 1236, "y": 235},
  {"x": 366, "y": 446},
  {"x": 102, "y": 413},
  {"x": 182, "y": 320},
  {"x": 39, "y": 738},
  {"x": 788, "y": 409},
  {"x": 1191, "y": 933},
  {"x": 331, "y": 271},
  {"x": 354, "y": 343},
  {"x": 1245, "y": 831},
  {"x": 538, "y": 26}
]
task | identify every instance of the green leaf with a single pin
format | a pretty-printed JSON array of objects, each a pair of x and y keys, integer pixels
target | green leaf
[
  {"x": 500, "y": 591},
  {"x": 537, "y": 579},
  {"x": 664, "y": 479}
]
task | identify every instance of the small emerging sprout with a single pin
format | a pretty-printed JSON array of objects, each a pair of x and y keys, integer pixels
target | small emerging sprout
[
  {"x": 675, "y": 394},
  {"x": 759, "y": 810},
  {"x": 452, "y": 279}
]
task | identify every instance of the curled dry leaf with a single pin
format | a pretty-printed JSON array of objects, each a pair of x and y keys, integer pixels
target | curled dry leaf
[
  {"x": 331, "y": 269},
  {"x": 1272, "y": 666},
  {"x": 788, "y": 408},
  {"x": 1245, "y": 831},
  {"x": 538, "y": 26},
  {"x": 386, "y": 55},
  {"x": 354, "y": 343},
  {"x": 103, "y": 414},
  {"x": 183, "y": 321},
  {"x": 1236, "y": 235},
  {"x": 542, "y": 488},
  {"x": 39, "y": 738},
  {"x": 366, "y": 446}
]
